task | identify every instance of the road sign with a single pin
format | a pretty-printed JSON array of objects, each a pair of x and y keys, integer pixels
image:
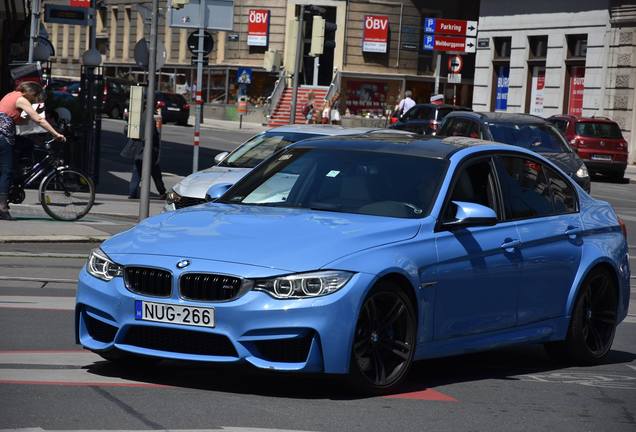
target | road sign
[
  {"x": 193, "y": 42},
  {"x": 455, "y": 64},
  {"x": 454, "y": 78},
  {"x": 142, "y": 54},
  {"x": 219, "y": 15},
  {"x": 449, "y": 43},
  {"x": 244, "y": 76},
  {"x": 450, "y": 26}
]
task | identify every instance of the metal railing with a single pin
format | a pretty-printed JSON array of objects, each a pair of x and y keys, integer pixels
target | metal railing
[
  {"x": 334, "y": 87},
  {"x": 277, "y": 93}
]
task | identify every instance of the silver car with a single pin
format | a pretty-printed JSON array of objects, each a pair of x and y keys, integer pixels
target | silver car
[{"x": 231, "y": 167}]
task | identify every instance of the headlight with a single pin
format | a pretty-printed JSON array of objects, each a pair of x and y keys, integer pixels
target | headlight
[
  {"x": 582, "y": 172},
  {"x": 304, "y": 285},
  {"x": 172, "y": 197},
  {"x": 100, "y": 266}
]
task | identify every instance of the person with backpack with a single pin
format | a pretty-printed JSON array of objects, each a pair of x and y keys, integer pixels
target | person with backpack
[
  {"x": 405, "y": 104},
  {"x": 308, "y": 109}
]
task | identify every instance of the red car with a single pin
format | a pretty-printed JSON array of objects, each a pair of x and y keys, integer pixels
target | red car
[{"x": 598, "y": 141}]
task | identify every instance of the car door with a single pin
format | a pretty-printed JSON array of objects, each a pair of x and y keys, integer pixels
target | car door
[
  {"x": 544, "y": 206},
  {"x": 478, "y": 268}
]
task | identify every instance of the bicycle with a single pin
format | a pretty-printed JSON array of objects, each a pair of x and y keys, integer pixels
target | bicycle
[{"x": 65, "y": 193}]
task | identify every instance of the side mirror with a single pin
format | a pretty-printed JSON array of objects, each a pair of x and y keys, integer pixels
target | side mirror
[
  {"x": 216, "y": 191},
  {"x": 219, "y": 157},
  {"x": 471, "y": 214}
]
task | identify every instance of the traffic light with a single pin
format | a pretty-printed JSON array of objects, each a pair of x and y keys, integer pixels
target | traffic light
[
  {"x": 330, "y": 35},
  {"x": 317, "y": 36},
  {"x": 179, "y": 4}
]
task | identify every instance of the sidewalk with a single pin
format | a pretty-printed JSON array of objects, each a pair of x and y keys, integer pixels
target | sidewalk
[{"x": 209, "y": 123}]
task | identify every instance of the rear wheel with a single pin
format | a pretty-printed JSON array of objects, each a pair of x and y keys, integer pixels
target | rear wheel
[
  {"x": 593, "y": 322},
  {"x": 67, "y": 194},
  {"x": 384, "y": 340}
]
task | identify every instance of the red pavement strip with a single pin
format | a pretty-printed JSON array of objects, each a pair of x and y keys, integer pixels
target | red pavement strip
[{"x": 428, "y": 394}]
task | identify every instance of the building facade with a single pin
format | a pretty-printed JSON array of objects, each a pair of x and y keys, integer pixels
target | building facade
[
  {"x": 371, "y": 77},
  {"x": 552, "y": 57}
]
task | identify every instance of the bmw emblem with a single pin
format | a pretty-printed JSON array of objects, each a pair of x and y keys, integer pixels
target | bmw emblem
[{"x": 183, "y": 263}]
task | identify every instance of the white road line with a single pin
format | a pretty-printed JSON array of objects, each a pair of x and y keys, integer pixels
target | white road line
[
  {"x": 221, "y": 429},
  {"x": 37, "y": 302}
]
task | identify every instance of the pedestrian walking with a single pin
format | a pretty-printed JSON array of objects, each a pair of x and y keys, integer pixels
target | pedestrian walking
[
  {"x": 335, "y": 111},
  {"x": 134, "y": 149},
  {"x": 405, "y": 104},
  {"x": 308, "y": 109},
  {"x": 326, "y": 113},
  {"x": 12, "y": 105}
]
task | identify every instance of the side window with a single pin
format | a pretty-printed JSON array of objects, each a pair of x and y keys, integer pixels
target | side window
[
  {"x": 463, "y": 127},
  {"x": 525, "y": 187},
  {"x": 563, "y": 193},
  {"x": 410, "y": 114},
  {"x": 474, "y": 184}
]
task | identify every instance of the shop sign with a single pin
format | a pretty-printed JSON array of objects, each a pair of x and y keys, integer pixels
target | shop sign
[
  {"x": 258, "y": 27},
  {"x": 376, "y": 33},
  {"x": 450, "y": 26},
  {"x": 80, "y": 3},
  {"x": 577, "y": 83},
  {"x": 536, "y": 94},
  {"x": 449, "y": 43},
  {"x": 501, "y": 100}
]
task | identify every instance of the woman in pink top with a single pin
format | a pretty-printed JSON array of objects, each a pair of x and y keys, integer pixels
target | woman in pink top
[{"x": 11, "y": 106}]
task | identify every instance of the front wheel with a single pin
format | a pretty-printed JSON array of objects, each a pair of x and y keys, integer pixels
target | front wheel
[
  {"x": 384, "y": 340},
  {"x": 67, "y": 194},
  {"x": 593, "y": 322}
]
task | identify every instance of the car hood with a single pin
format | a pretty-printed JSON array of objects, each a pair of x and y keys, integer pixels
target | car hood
[
  {"x": 568, "y": 162},
  {"x": 291, "y": 240},
  {"x": 196, "y": 185}
]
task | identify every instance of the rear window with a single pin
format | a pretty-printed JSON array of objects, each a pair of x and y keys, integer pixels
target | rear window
[
  {"x": 561, "y": 125},
  {"x": 540, "y": 138},
  {"x": 598, "y": 130},
  {"x": 420, "y": 113}
]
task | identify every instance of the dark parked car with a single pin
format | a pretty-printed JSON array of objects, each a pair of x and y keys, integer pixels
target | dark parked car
[
  {"x": 173, "y": 108},
  {"x": 522, "y": 130},
  {"x": 598, "y": 141},
  {"x": 116, "y": 92},
  {"x": 425, "y": 118}
]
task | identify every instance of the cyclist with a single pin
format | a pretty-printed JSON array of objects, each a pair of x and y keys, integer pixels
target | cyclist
[{"x": 11, "y": 107}]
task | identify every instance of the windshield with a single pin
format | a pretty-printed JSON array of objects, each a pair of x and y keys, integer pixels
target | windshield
[
  {"x": 540, "y": 138},
  {"x": 599, "y": 130},
  {"x": 260, "y": 147},
  {"x": 347, "y": 181}
]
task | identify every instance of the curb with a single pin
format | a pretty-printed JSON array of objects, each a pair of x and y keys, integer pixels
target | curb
[
  {"x": 42, "y": 255},
  {"x": 53, "y": 239}
]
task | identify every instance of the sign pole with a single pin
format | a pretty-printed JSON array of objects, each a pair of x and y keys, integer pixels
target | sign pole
[
  {"x": 144, "y": 196},
  {"x": 438, "y": 61},
  {"x": 35, "y": 22},
  {"x": 199, "y": 84},
  {"x": 299, "y": 58}
]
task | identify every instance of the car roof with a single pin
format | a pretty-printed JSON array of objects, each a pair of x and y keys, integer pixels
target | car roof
[
  {"x": 438, "y": 106},
  {"x": 583, "y": 119},
  {"x": 499, "y": 117},
  {"x": 329, "y": 130},
  {"x": 399, "y": 143}
]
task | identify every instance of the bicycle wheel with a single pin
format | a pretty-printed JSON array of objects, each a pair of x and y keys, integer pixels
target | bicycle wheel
[{"x": 67, "y": 194}]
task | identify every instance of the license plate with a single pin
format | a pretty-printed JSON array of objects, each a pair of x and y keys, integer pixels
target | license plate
[
  {"x": 175, "y": 314},
  {"x": 601, "y": 157},
  {"x": 173, "y": 109}
]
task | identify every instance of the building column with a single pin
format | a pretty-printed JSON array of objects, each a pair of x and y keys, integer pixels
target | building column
[
  {"x": 77, "y": 35},
  {"x": 183, "y": 35},
  {"x": 65, "y": 31},
  {"x": 112, "y": 34},
  {"x": 126, "y": 40}
]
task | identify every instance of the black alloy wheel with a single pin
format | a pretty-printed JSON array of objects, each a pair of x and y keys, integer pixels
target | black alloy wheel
[
  {"x": 593, "y": 322},
  {"x": 384, "y": 340}
]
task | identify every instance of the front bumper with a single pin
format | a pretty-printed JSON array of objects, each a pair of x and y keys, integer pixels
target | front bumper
[{"x": 310, "y": 335}]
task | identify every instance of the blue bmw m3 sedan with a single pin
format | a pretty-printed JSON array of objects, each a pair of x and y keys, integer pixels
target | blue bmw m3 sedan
[{"x": 358, "y": 255}]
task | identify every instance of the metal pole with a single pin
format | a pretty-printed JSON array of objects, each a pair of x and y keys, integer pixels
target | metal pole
[
  {"x": 316, "y": 67},
  {"x": 199, "y": 101},
  {"x": 438, "y": 62},
  {"x": 93, "y": 27},
  {"x": 144, "y": 196},
  {"x": 300, "y": 41},
  {"x": 35, "y": 22}
]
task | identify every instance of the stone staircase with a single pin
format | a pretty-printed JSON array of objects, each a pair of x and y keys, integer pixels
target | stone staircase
[{"x": 280, "y": 116}]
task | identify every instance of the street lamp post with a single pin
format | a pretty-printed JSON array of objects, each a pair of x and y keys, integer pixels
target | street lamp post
[{"x": 35, "y": 22}]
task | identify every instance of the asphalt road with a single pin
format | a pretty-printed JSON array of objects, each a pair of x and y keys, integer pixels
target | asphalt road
[{"x": 48, "y": 382}]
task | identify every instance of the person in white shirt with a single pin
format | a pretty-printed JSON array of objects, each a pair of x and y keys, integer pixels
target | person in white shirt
[{"x": 405, "y": 104}]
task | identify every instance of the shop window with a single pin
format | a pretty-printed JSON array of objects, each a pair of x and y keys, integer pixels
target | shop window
[
  {"x": 575, "y": 75},
  {"x": 501, "y": 73},
  {"x": 536, "y": 74}
]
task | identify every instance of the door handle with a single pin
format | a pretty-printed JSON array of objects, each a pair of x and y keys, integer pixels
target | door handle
[
  {"x": 510, "y": 245},
  {"x": 572, "y": 231}
]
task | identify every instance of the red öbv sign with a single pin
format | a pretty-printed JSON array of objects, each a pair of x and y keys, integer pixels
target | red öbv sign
[
  {"x": 257, "y": 27},
  {"x": 376, "y": 33},
  {"x": 80, "y": 3}
]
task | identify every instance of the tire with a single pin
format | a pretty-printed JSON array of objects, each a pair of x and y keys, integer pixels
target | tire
[
  {"x": 67, "y": 194},
  {"x": 115, "y": 112},
  {"x": 593, "y": 322},
  {"x": 384, "y": 340},
  {"x": 183, "y": 122},
  {"x": 617, "y": 176}
]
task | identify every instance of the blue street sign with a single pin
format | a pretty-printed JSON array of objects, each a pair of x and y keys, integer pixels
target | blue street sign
[
  {"x": 501, "y": 100},
  {"x": 244, "y": 76},
  {"x": 429, "y": 25},
  {"x": 429, "y": 42}
]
